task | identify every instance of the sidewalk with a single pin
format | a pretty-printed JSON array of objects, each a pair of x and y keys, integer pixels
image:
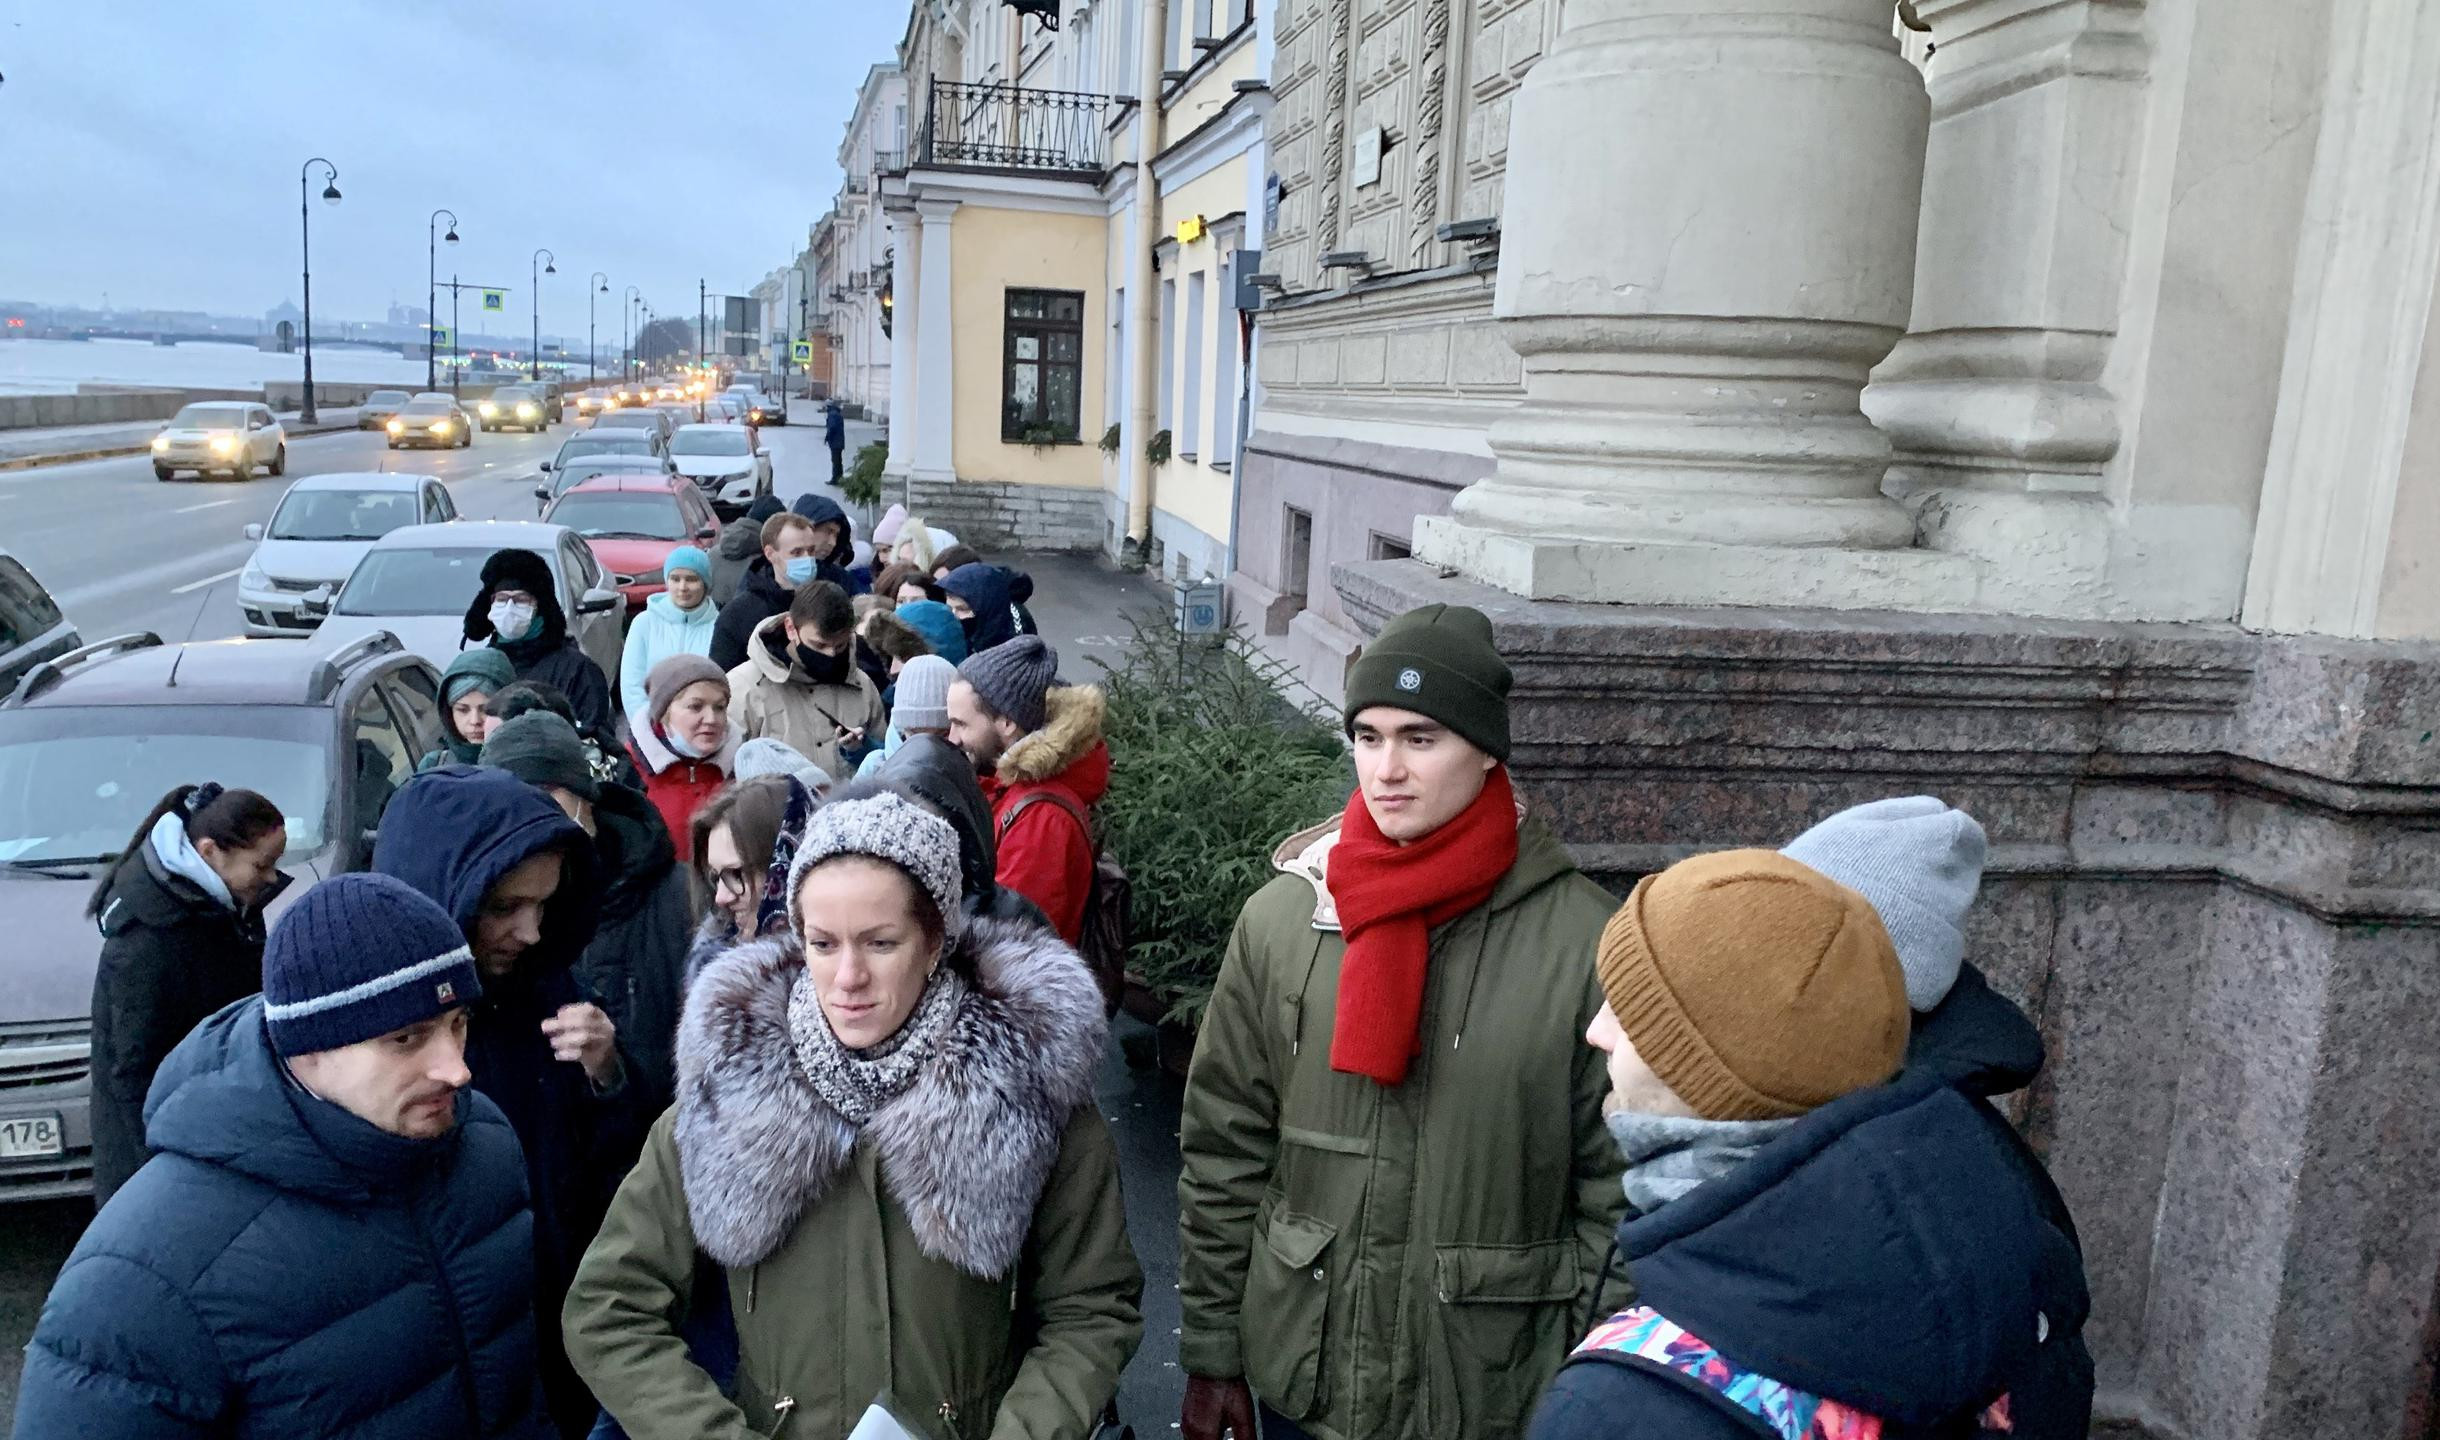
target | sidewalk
[{"x": 60, "y": 444}]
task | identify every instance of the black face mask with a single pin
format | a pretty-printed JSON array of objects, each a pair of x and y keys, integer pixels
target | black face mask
[
  {"x": 967, "y": 624},
  {"x": 825, "y": 669}
]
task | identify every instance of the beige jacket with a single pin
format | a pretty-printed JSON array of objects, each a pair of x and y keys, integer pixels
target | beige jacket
[{"x": 775, "y": 697}]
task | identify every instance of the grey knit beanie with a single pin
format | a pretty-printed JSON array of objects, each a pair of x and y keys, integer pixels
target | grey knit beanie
[
  {"x": 1920, "y": 863},
  {"x": 763, "y": 756},
  {"x": 1013, "y": 677},
  {"x": 672, "y": 675},
  {"x": 890, "y": 827},
  {"x": 922, "y": 701},
  {"x": 540, "y": 748}
]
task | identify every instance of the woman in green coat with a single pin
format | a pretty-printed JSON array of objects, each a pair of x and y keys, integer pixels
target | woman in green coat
[{"x": 885, "y": 1141}]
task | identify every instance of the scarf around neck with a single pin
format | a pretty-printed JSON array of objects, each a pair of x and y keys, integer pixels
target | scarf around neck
[
  {"x": 858, "y": 1083},
  {"x": 1669, "y": 1155},
  {"x": 1389, "y": 896}
]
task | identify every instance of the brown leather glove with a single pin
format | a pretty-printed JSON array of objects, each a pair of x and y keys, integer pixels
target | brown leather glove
[{"x": 1216, "y": 1409}]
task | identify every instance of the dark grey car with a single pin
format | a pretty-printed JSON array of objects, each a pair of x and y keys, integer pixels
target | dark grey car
[
  {"x": 31, "y": 628},
  {"x": 88, "y": 742}
]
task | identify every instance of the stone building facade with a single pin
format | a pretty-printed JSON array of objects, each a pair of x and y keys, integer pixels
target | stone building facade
[
  {"x": 855, "y": 292},
  {"x": 2050, "y": 427}
]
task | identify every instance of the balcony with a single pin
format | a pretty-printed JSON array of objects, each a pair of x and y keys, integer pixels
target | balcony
[
  {"x": 889, "y": 162},
  {"x": 1009, "y": 127},
  {"x": 858, "y": 184}
]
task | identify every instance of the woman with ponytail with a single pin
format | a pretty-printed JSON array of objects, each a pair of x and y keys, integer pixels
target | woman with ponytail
[{"x": 181, "y": 915}]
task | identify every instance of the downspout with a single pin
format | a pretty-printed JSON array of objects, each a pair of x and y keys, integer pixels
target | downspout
[{"x": 1149, "y": 131}]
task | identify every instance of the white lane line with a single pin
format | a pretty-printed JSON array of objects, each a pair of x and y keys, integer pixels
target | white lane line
[
  {"x": 140, "y": 580},
  {"x": 206, "y": 580},
  {"x": 206, "y": 505}
]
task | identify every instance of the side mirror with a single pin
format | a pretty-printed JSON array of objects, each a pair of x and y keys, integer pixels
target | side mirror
[
  {"x": 254, "y": 532},
  {"x": 317, "y": 602},
  {"x": 598, "y": 601},
  {"x": 708, "y": 532},
  {"x": 546, "y": 467},
  {"x": 542, "y": 492}
]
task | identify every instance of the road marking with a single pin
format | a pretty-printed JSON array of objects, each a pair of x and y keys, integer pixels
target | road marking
[
  {"x": 206, "y": 505},
  {"x": 206, "y": 580}
]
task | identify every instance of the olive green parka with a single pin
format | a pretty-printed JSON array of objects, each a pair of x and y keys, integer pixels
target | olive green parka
[
  {"x": 965, "y": 1251},
  {"x": 1383, "y": 1262}
]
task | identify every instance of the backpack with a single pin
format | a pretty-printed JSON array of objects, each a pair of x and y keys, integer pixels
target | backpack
[{"x": 1109, "y": 900}]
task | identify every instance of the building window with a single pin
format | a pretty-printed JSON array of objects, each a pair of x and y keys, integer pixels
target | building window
[
  {"x": 1043, "y": 365},
  {"x": 1167, "y": 340},
  {"x": 1297, "y": 561},
  {"x": 1384, "y": 547},
  {"x": 1114, "y": 398},
  {"x": 1189, "y": 441},
  {"x": 1224, "y": 369}
]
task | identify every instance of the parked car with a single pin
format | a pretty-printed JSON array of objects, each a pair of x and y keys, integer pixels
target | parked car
[
  {"x": 323, "y": 526},
  {"x": 31, "y": 628},
  {"x": 615, "y": 441},
  {"x": 566, "y": 477},
  {"x": 417, "y": 582},
  {"x": 88, "y": 743},
  {"x": 639, "y": 417},
  {"x": 732, "y": 469},
  {"x": 428, "y": 422},
  {"x": 229, "y": 436},
  {"x": 379, "y": 407},
  {"x": 523, "y": 406},
  {"x": 633, "y": 521}
]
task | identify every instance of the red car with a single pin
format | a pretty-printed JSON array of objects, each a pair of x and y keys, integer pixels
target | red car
[{"x": 633, "y": 520}]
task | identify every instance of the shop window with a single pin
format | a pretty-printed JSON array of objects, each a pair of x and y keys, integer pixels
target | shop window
[{"x": 1042, "y": 369}]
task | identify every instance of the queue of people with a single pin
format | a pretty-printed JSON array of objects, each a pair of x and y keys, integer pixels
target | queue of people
[{"x": 726, "y": 1067}]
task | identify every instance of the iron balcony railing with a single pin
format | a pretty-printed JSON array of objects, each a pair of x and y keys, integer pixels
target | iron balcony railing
[
  {"x": 889, "y": 162},
  {"x": 1009, "y": 127}
]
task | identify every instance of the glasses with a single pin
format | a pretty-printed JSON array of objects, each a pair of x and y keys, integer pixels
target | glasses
[{"x": 731, "y": 881}]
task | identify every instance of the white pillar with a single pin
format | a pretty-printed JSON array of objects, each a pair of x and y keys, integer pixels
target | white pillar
[
  {"x": 935, "y": 350},
  {"x": 1708, "y": 242},
  {"x": 906, "y": 291}
]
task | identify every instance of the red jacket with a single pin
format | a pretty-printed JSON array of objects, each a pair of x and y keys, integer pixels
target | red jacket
[
  {"x": 1044, "y": 854},
  {"x": 678, "y": 786}
]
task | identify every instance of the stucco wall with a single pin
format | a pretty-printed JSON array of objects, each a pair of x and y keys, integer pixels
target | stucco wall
[{"x": 996, "y": 250}]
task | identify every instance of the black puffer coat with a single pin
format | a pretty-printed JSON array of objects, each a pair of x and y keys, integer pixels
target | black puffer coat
[
  {"x": 638, "y": 953},
  {"x": 171, "y": 956}
]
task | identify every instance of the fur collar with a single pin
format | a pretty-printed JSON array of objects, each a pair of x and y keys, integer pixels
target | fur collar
[
  {"x": 965, "y": 1152},
  {"x": 1071, "y": 727}
]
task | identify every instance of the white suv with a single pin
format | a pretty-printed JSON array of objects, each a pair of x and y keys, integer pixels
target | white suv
[{"x": 230, "y": 436}]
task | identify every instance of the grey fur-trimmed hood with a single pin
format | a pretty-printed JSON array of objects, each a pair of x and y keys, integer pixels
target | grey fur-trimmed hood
[{"x": 965, "y": 1152}]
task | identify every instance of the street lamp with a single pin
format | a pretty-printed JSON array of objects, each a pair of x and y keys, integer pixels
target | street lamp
[
  {"x": 432, "y": 289},
  {"x": 601, "y": 285},
  {"x": 549, "y": 267},
  {"x": 330, "y": 196},
  {"x": 626, "y": 330}
]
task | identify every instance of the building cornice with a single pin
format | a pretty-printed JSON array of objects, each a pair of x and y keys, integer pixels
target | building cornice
[{"x": 1227, "y": 135}]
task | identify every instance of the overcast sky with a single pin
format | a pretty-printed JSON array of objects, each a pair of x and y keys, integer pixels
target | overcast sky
[{"x": 150, "y": 148}]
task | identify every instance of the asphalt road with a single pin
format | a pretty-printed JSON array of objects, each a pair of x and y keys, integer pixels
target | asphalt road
[{"x": 123, "y": 551}]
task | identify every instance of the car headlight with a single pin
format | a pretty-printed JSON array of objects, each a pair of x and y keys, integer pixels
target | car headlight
[
  {"x": 397, "y": 425},
  {"x": 160, "y": 442},
  {"x": 527, "y": 412},
  {"x": 224, "y": 444},
  {"x": 254, "y": 579},
  {"x": 440, "y": 427},
  {"x": 488, "y": 409}
]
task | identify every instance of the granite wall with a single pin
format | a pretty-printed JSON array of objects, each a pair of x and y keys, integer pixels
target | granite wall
[{"x": 2214, "y": 884}]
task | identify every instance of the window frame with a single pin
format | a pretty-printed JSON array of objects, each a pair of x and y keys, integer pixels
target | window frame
[{"x": 1044, "y": 328}]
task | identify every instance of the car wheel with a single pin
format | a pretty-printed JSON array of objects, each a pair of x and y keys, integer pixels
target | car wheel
[
  {"x": 467, "y": 441},
  {"x": 163, "y": 472},
  {"x": 393, "y": 444},
  {"x": 279, "y": 461},
  {"x": 243, "y": 470}
]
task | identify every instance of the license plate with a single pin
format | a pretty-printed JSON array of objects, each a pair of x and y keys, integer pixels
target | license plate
[{"x": 30, "y": 1136}]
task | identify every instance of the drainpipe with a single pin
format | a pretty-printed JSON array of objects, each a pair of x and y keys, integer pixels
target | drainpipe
[{"x": 1140, "y": 308}]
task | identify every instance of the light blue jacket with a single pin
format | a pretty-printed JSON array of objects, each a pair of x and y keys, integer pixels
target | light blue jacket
[{"x": 661, "y": 631}]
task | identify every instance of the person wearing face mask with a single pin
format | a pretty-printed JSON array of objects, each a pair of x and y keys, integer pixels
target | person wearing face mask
[
  {"x": 985, "y": 599},
  {"x": 518, "y": 612},
  {"x": 740, "y": 546},
  {"x": 1816, "y": 1243},
  {"x": 887, "y": 1141},
  {"x": 473, "y": 677},
  {"x": 790, "y": 547},
  {"x": 800, "y": 684},
  {"x": 334, "y": 1238},
  {"x": 678, "y": 621},
  {"x": 835, "y": 547},
  {"x": 684, "y": 743},
  {"x": 181, "y": 916}
]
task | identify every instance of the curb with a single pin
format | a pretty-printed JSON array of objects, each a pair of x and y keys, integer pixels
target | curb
[{"x": 70, "y": 457}]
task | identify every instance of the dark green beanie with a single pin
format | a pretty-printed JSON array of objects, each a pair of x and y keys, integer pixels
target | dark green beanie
[{"x": 1438, "y": 661}]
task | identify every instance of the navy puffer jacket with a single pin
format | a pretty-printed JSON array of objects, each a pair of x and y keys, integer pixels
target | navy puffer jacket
[{"x": 282, "y": 1268}]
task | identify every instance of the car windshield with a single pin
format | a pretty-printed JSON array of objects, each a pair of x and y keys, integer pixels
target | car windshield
[
  {"x": 620, "y": 515},
  {"x": 386, "y": 397},
  {"x": 412, "y": 581},
  {"x": 628, "y": 420},
  {"x": 591, "y": 443},
  {"x": 718, "y": 440},
  {"x": 427, "y": 410},
  {"x": 76, "y": 779},
  {"x": 342, "y": 514},
  {"x": 577, "y": 472},
  {"x": 209, "y": 417},
  {"x": 510, "y": 394}
]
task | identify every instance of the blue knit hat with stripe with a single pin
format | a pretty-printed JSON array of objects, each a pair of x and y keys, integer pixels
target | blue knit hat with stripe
[{"x": 358, "y": 957}]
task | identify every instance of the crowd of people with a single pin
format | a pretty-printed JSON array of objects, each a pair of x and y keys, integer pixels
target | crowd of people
[{"x": 723, "y": 1065}]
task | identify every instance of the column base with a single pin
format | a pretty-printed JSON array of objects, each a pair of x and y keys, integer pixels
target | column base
[{"x": 1652, "y": 573}]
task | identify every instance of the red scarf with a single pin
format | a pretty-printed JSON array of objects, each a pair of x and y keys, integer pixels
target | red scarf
[{"x": 1389, "y": 898}]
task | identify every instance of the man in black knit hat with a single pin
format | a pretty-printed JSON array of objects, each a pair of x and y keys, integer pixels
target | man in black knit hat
[{"x": 518, "y": 611}]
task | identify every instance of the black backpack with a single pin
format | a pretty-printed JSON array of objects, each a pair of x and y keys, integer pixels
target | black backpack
[{"x": 1109, "y": 900}]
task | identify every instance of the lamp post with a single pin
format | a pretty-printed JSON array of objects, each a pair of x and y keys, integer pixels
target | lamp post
[
  {"x": 626, "y": 329},
  {"x": 601, "y": 285},
  {"x": 550, "y": 266},
  {"x": 432, "y": 306},
  {"x": 330, "y": 196}
]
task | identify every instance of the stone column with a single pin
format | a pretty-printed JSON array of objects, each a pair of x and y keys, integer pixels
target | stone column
[
  {"x": 906, "y": 290},
  {"x": 1709, "y": 241},
  {"x": 934, "y": 440}
]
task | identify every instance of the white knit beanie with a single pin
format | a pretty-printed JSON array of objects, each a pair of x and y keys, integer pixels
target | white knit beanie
[
  {"x": 887, "y": 826},
  {"x": 1920, "y": 863}
]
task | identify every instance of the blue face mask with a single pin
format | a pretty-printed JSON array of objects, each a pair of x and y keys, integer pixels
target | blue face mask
[{"x": 800, "y": 569}]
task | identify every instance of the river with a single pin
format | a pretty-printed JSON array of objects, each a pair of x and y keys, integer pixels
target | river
[{"x": 57, "y": 367}]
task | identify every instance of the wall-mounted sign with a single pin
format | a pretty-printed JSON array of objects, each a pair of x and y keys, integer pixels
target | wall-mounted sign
[
  {"x": 1272, "y": 190},
  {"x": 1367, "y": 165},
  {"x": 1190, "y": 229}
]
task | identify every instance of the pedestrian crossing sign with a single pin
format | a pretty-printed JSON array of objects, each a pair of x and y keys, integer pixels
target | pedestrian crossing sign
[
  {"x": 442, "y": 335},
  {"x": 803, "y": 351},
  {"x": 495, "y": 299}
]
